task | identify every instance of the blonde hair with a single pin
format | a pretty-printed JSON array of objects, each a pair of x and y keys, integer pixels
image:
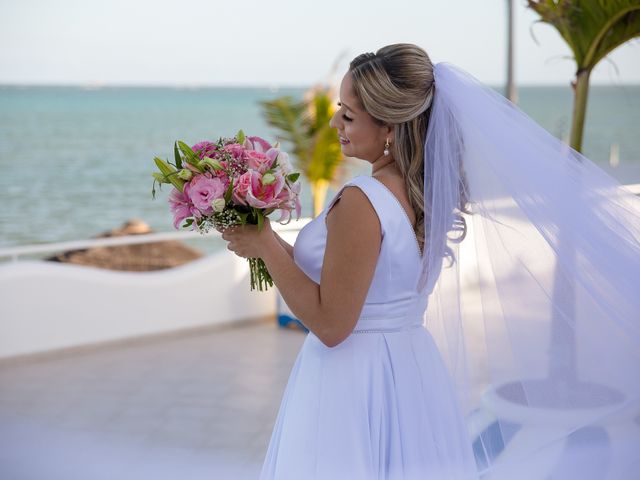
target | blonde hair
[{"x": 395, "y": 86}]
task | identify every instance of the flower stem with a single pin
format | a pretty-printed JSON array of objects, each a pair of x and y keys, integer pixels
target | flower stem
[{"x": 259, "y": 274}]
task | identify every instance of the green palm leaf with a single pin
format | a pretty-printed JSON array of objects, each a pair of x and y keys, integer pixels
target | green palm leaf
[
  {"x": 285, "y": 115},
  {"x": 592, "y": 30},
  {"x": 304, "y": 124}
]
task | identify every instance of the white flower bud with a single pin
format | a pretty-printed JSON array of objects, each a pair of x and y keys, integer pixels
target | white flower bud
[
  {"x": 218, "y": 204},
  {"x": 268, "y": 179},
  {"x": 212, "y": 162},
  {"x": 185, "y": 174}
]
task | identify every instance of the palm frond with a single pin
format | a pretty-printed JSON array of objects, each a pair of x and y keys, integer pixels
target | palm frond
[
  {"x": 327, "y": 154},
  {"x": 286, "y": 115},
  {"x": 591, "y": 28}
]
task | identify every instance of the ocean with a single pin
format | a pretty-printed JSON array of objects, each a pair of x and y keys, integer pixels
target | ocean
[{"x": 77, "y": 161}]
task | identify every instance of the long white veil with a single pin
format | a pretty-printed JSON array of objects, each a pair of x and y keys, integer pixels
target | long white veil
[{"x": 536, "y": 311}]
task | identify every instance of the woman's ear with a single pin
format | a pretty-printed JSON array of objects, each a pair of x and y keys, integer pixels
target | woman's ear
[{"x": 390, "y": 133}]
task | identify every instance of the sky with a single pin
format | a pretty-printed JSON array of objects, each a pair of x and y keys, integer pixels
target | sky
[{"x": 274, "y": 43}]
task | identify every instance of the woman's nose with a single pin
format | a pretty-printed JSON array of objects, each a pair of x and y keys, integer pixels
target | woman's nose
[{"x": 333, "y": 123}]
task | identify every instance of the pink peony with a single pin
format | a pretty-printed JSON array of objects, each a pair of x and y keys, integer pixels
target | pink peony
[
  {"x": 203, "y": 189},
  {"x": 181, "y": 207}
]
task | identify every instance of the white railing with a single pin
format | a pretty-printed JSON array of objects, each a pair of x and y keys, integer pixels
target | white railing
[
  {"x": 48, "y": 306},
  {"x": 294, "y": 226},
  {"x": 15, "y": 252}
]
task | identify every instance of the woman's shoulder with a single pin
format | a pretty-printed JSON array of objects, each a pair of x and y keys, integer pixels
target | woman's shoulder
[
  {"x": 353, "y": 203},
  {"x": 395, "y": 184}
]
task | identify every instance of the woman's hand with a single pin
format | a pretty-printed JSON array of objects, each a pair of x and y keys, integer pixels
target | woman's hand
[{"x": 246, "y": 241}]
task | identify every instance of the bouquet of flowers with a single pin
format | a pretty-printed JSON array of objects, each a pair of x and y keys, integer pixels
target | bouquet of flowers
[{"x": 233, "y": 181}]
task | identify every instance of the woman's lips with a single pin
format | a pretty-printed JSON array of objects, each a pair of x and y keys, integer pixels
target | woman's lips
[{"x": 343, "y": 141}]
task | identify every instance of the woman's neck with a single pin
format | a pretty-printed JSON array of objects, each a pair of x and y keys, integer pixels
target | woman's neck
[{"x": 376, "y": 168}]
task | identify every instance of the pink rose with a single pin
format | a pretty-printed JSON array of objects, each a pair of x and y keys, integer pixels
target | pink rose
[
  {"x": 235, "y": 149},
  {"x": 203, "y": 190},
  {"x": 258, "y": 161},
  {"x": 240, "y": 188}
]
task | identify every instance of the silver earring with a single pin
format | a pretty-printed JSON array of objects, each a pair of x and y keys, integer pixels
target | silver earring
[{"x": 386, "y": 147}]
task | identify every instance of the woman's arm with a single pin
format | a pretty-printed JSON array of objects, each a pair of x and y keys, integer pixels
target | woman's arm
[
  {"x": 287, "y": 247},
  {"x": 331, "y": 310}
]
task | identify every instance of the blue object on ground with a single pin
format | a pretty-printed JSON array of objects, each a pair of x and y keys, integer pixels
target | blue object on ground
[{"x": 286, "y": 320}]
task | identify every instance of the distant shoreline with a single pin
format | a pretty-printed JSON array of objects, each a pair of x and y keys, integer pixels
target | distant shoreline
[
  {"x": 94, "y": 148},
  {"x": 99, "y": 86}
]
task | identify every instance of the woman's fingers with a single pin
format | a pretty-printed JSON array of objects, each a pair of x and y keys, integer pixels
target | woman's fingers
[{"x": 226, "y": 232}]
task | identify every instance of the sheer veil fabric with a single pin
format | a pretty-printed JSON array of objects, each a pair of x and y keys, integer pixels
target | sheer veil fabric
[{"x": 536, "y": 309}]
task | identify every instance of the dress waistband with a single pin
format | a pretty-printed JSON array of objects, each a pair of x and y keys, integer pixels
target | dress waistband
[
  {"x": 384, "y": 323},
  {"x": 387, "y": 330}
]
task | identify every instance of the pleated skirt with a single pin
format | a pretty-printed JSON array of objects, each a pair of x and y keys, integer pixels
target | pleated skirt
[{"x": 377, "y": 406}]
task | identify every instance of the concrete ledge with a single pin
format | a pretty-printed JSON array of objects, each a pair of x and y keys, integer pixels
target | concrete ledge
[
  {"x": 47, "y": 306},
  {"x": 135, "y": 341}
]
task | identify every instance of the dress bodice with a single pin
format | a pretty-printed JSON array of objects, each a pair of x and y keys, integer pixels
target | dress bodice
[{"x": 392, "y": 301}]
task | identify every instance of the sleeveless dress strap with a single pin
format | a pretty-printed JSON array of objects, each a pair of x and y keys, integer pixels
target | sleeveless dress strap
[{"x": 373, "y": 192}]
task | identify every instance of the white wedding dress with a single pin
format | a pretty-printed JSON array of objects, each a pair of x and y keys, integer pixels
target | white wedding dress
[{"x": 381, "y": 404}]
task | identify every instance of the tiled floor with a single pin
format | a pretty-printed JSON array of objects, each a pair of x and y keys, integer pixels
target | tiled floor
[{"x": 192, "y": 405}]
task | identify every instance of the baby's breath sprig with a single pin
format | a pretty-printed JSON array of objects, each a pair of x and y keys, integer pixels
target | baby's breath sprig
[
  {"x": 204, "y": 225},
  {"x": 226, "y": 218},
  {"x": 221, "y": 142},
  {"x": 235, "y": 167}
]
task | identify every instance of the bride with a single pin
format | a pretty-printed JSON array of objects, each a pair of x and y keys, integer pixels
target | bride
[{"x": 472, "y": 304}]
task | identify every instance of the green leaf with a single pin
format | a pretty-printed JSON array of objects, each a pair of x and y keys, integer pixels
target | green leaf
[
  {"x": 189, "y": 155},
  {"x": 212, "y": 162},
  {"x": 591, "y": 28},
  {"x": 163, "y": 166},
  {"x": 292, "y": 177},
  {"x": 160, "y": 178},
  {"x": 188, "y": 223},
  {"x": 228, "y": 192},
  {"x": 176, "y": 154},
  {"x": 170, "y": 173},
  {"x": 289, "y": 116},
  {"x": 185, "y": 149},
  {"x": 240, "y": 136}
]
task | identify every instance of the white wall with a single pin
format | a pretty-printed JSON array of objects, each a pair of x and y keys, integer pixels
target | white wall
[{"x": 47, "y": 306}]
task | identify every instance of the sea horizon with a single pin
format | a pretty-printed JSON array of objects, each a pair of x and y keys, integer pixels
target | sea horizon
[
  {"x": 78, "y": 160},
  {"x": 98, "y": 84}
]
